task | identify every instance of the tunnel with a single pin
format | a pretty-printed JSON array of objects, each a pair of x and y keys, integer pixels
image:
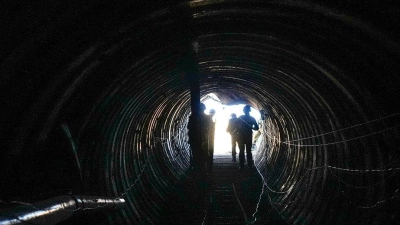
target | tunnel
[{"x": 95, "y": 100}]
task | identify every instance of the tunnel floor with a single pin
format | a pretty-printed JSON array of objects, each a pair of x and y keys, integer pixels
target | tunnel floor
[{"x": 230, "y": 196}]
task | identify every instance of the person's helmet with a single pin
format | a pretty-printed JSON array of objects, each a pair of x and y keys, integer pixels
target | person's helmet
[
  {"x": 246, "y": 108},
  {"x": 212, "y": 111},
  {"x": 202, "y": 107}
]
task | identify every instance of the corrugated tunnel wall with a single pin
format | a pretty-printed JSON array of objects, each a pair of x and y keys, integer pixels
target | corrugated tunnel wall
[{"x": 94, "y": 101}]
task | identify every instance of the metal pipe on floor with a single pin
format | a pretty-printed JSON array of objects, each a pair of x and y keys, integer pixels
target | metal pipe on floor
[{"x": 57, "y": 209}]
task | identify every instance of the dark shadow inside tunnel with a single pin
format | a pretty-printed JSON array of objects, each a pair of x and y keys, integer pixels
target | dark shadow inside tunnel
[{"x": 94, "y": 102}]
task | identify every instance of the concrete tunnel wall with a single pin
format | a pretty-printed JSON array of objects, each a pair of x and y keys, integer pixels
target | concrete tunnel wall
[{"x": 326, "y": 75}]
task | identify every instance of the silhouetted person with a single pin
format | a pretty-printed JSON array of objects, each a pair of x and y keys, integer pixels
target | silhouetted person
[
  {"x": 200, "y": 150},
  {"x": 233, "y": 130},
  {"x": 211, "y": 141},
  {"x": 246, "y": 123}
]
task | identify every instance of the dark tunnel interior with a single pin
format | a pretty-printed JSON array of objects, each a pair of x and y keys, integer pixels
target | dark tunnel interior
[{"x": 94, "y": 101}]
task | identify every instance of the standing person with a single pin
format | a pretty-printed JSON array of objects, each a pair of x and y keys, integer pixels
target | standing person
[
  {"x": 200, "y": 150},
  {"x": 247, "y": 123},
  {"x": 211, "y": 141},
  {"x": 233, "y": 130}
]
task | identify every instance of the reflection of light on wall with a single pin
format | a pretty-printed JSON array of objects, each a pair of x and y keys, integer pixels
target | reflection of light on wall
[{"x": 222, "y": 140}]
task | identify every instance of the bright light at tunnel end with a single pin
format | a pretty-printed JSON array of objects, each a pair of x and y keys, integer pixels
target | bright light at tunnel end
[{"x": 222, "y": 140}]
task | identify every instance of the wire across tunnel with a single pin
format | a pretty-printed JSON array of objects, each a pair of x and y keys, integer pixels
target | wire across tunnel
[{"x": 322, "y": 78}]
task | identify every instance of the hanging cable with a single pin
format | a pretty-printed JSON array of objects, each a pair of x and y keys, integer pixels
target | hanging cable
[
  {"x": 240, "y": 204},
  {"x": 338, "y": 142},
  {"x": 346, "y": 128},
  {"x": 380, "y": 202},
  {"x": 359, "y": 187},
  {"x": 67, "y": 132}
]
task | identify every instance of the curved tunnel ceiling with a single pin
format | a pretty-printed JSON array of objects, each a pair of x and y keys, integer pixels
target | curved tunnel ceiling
[{"x": 113, "y": 78}]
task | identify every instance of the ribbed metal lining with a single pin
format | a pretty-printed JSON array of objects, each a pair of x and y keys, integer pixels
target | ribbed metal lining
[
  {"x": 313, "y": 71},
  {"x": 142, "y": 118}
]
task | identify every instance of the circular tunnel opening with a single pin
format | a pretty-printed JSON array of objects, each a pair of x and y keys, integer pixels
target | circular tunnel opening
[
  {"x": 222, "y": 139},
  {"x": 103, "y": 110}
]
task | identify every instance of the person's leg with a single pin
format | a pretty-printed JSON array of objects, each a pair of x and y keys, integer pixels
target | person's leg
[
  {"x": 233, "y": 142},
  {"x": 248, "y": 153},
  {"x": 211, "y": 161},
  {"x": 204, "y": 156},
  {"x": 241, "y": 153}
]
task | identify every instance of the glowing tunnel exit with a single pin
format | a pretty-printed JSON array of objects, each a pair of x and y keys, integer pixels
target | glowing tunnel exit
[{"x": 222, "y": 139}]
